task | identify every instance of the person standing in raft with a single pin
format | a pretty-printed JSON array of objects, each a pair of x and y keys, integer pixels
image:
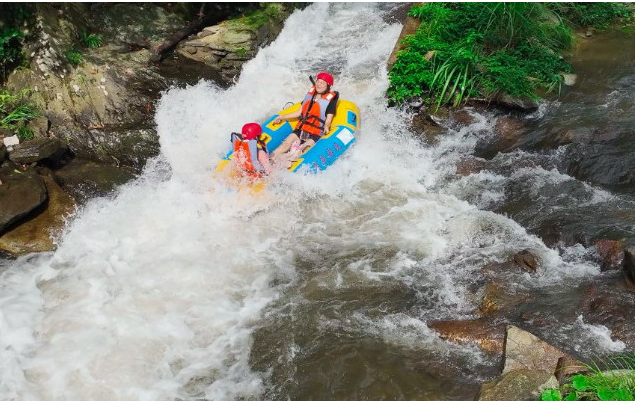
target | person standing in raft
[
  {"x": 251, "y": 158},
  {"x": 314, "y": 119}
]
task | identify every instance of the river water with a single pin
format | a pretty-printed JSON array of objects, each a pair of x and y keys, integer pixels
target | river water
[{"x": 178, "y": 288}]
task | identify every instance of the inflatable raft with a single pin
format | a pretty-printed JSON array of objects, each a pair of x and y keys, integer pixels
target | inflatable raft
[{"x": 325, "y": 152}]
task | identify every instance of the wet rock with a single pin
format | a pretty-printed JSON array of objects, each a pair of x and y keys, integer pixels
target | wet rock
[
  {"x": 111, "y": 91},
  {"x": 569, "y": 366},
  {"x": 500, "y": 299},
  {"x": 233, "y": 42},
  {"x": 607, "y": 159},
  {"x": 524, "y": 350},
  {"x": 512, "y": 103},
  {"x": 467, "y": 166},
  {"x": 486, "y": 333},
  {"x": 462, "y": 118},
  {"x": 608, "y": 301},
  {"x": 529, "y": 368},
  {"x": 41, "y": 233},
  {"x": 629, "y": 265},
  {"x": 526, "y": 260},
  {"x": 569, "y": 79},
  {"x": 518, "y": 385},
  {"x": 21, "y": 192},
  {"x": 38, "y": 149},
  {"x": 611, "y": 254},
  {"x": 508, "y": 131},
  {"x": 427, "y": 126},
  {"x": 86, "y": 179}
]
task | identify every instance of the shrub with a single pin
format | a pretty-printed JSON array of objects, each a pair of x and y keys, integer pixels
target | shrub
[
  {"x": 13, "y": 17},
  {"x": 616, "y": 384},
  {"x": 16, "y": 112},
  {"x": 90, "y": 40},
  {"x": 599, "y": 15},
  {"x": 467, "y": 49},
  {"x": 74, "y": 56}
]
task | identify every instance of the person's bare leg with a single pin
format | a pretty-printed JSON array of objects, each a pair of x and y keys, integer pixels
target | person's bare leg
[{"x": 284, "y": 147}]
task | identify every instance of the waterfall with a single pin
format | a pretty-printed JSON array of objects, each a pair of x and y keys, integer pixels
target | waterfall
[{"x": 165, "y": 290}]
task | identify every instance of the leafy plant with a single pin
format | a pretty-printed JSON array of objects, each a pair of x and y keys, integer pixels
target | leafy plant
[
  {"x": 16, "y": 112},
  {"x": 463, "y": 50},
  {"x": 599, "y": 15},
  {"x": 615, "y": 384},
  {"x": 91, "y": 41},
  {"x": 74, "y": 56},
  {"x": 241, "y": 52},
  {"x": 13, "y": 17}
]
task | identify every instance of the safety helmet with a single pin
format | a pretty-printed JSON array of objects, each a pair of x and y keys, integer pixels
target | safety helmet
[
  {"x": 328, "y": 78},
  {"x": 251, "y": 131}
]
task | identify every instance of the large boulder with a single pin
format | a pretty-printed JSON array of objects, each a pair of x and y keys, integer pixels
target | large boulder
[
  {"x": 227, "y": 46},
  {"x": 524, "y": 350},
  {"x": 20, "y": 193},
  {"x": 109, "y": 94},
  {"x": 518, "y": 385},
  {"x": 85, "y": 179},
  {"x": 35, "y": 150},
  {"x": 41, "y": 233},
  {"x": 629, "y": 265},
  {"x": 530, "y": 365}
]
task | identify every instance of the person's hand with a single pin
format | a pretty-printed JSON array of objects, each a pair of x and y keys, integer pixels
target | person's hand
[{"x": 277, "y": 120}]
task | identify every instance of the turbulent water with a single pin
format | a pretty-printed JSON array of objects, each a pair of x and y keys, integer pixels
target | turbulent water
[{"x": 178, "y": 288}]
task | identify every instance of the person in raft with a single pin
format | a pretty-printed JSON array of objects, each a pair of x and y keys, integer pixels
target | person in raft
[
  {"x": 250, "y": 152},
  {"x": 314, "y": 119}
]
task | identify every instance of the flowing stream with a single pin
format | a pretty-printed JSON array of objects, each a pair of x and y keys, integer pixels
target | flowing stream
[{"x": 179, "y": 288}]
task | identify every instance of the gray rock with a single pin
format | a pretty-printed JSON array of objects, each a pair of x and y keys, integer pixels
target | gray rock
[
  {"x": 629, "y": 265},
  {"x": 20, "y": 193},
  {"x": 518, "y": 385},
  {"x": 524, "y": 350},
  {"x": 85, "y": 179},
  {"x": 38, "y": 149},
  {"x": 40, "y": 233}
]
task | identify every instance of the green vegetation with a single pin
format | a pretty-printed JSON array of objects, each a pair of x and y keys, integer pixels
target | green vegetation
[
  {"x": 464, "y": 50},
  {"x": 91, "y": 41},
  {"x": 241, "y": 52},
  {"x": 257, "y": 18},
  {"x": 16, "y": 112},
  {"x": 616, "y": 384},
  {"x": 74, "y": 56},
  {"x": 599, "y": 15},
  {"x": 13, "y": 17}
]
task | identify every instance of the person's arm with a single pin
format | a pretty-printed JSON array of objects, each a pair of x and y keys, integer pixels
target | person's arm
[
  {"x": 263, "y": 159},
  {"x": 330, "y": 112},
  {"x": 295, "y": 114}
]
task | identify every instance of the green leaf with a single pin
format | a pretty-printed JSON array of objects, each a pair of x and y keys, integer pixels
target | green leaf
[
  {"x": 580, "y": 382},
  {"x": 551, "y": 394},
  {"x": 571, "y": 397},
  {"x": 623, "y": 394},
  {"x": 606, "y": 394}
]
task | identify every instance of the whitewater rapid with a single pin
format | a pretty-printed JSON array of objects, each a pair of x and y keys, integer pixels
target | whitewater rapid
[{"x": 155, "y": 293}]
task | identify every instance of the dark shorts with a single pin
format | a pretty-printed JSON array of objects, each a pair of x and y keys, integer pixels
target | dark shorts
[{"x": 303, "y": 135}]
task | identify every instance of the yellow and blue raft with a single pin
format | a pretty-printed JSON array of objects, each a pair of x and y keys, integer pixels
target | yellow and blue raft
[{"x": 325, "y": 152}]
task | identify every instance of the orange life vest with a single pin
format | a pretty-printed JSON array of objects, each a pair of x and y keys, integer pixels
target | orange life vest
[
  {"x": 313, "y": 114},
  {"x": 246, "y": 155}
]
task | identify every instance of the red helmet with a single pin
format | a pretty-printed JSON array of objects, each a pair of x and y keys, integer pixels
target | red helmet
[
  {"x": 251, "y": 131},
  {"x": 328, "y": 78}
]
